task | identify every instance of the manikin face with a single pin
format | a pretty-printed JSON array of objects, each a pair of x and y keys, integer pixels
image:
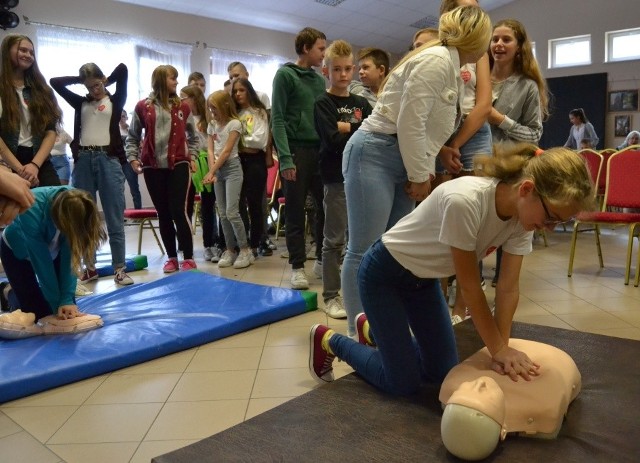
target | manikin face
[
  {"x": 172, "y": 84},
  {"x": 340, "y": 72},
  {"x": 315, "y": 54},
  {"x": 240, "y": 95},
  {"x": 370, "y": 75},
  {"x": 483, "y": 390},
  {"x": 22, "y": 55},
  {"x": 504, "y": 45}
]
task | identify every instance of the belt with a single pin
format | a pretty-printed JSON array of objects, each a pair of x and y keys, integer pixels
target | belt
[{"x": 104, "y": 148}]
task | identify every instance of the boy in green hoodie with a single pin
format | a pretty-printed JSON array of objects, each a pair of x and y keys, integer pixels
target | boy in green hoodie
[{"x": 295, "y": 88}]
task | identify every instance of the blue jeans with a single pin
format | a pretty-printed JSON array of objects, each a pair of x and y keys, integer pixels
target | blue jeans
[
  {"x": 95, "y": 171},
  {"x": 398, "y": 303},
  {"x": 61, "y": 164},
  {"x": 374, "y": 180},
  {"x": 134, "y": 185},
  {"x": 479, "y": 143},
  {"x": 228, "y": 186}
]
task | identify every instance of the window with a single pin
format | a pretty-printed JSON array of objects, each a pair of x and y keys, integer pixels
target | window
[
  {"x": 622, "y": 45},
  {"x": 570, "y": 51},
  {"x": 261, "y": 68},
  {"x": 62, "y": 50}
]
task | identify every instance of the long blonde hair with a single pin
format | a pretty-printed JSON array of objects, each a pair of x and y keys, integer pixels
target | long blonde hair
[
  {"x": 467, "y": 28},
  {"x": 161, "y": 94},
  {"x": 75, "y": 214},
  {"x": 559, "y": 174},
  {"x": 225, "y": 105}
]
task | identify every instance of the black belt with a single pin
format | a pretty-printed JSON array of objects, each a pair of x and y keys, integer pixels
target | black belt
[{"x": 104, "y": 148}]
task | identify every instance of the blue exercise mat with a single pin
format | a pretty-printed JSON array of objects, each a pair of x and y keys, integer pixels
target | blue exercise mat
[{"x": 143, "y": 322}]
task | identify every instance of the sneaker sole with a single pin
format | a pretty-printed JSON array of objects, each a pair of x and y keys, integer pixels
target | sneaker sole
[{"x": 299, "y": 286}]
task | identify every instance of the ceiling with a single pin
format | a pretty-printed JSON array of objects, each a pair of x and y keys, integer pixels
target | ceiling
[{"x": 386, "y": 24}]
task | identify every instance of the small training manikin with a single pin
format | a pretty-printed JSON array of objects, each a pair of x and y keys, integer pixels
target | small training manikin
[
  {"x": 533, "y": 408},
  {"x": 19, "y": 324}
]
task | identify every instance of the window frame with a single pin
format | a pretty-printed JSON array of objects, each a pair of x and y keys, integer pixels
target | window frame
[
  {"x": 554, "y": 43},
  {"x": 608, "y": 44}
]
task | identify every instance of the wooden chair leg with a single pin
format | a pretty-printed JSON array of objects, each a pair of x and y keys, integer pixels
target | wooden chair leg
[
  {"x": 597, "y": 228},
  {"x": 572, "y": 252},
  {"x": 627, "y": 270},
  {"x": 140, "y": 228}
]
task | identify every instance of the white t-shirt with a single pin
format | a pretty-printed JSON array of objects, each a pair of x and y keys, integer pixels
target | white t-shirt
[
  {"x": 220, "y": 134},
  {"x": 264, "y": 98},
  {"x": 96, "y": 118},
  {"x": 24, "y": 138},
  {"x": 255, "y": 128},
  {"x": 459, "y": 213},
  {"x": 200, "y": 136}
]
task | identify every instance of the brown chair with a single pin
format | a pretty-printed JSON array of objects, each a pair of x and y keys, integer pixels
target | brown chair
[
  {"x": 144, "y": 217},
  {"x": 622, "y": 191}
]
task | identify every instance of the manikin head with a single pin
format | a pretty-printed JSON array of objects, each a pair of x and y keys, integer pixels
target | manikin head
[{"x": 472, "y": 423}]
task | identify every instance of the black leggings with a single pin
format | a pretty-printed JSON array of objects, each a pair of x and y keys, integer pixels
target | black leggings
[{"x": 254, "y": 171}]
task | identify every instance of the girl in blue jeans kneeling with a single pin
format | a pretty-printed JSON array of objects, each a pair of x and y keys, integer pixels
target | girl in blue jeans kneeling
[{"x": 523, "y": 189}]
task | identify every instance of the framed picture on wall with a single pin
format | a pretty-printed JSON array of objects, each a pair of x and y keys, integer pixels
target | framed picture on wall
[
  {"x": 622, "y": 126},
  {"x": 623, "y": 100}
]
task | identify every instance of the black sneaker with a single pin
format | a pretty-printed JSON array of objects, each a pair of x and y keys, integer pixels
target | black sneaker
[{"x": 265, "y": 251}]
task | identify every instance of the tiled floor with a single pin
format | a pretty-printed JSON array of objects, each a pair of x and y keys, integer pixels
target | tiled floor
[{"x": 134, "y": 414}]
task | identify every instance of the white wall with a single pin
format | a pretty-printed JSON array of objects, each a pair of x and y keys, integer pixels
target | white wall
[{"x": 552, "y": 19}]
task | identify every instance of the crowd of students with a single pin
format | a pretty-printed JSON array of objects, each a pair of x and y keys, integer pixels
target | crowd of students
[{"x": 365, "y": 153}]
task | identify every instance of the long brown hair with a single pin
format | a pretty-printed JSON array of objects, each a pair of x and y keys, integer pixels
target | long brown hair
[
  {"x": 197, "y": 96},
  {"x": 161, "y": 93},
  {"x": 524, "y": 62},
  {"x": 43, "y": 106},
  {"x": 75, "y": 214}
]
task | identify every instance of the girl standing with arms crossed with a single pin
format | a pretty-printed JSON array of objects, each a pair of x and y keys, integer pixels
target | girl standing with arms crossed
[
  {"x": 168, "y": 154},
  {"x": 463, "y": 220},
  {"x": 255, "y": 156},
  {"x": 98, "y": 152},
  {"x": 519, "y": 91},
  {"x": 29, "y": 113},
  {"x": 226, "y": 171},
  {"x": 389, "y": 163}
]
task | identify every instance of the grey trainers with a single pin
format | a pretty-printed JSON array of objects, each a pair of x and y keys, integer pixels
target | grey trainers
[
  {"x": 317, "y": 269},
  {"x": 208, "y": 254},
  {"x": 227, "y": 259},
  {"x": 299, "y": 279},
  {"x": 216, "y": 253},
  {"x": 335, "y": 308},
  {"x": 245, "y": 258}
]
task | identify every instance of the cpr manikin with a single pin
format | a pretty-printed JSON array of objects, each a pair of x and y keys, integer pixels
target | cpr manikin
[
  {"x": 482, "y": 405},
  {"x": 19, "y": 324}
]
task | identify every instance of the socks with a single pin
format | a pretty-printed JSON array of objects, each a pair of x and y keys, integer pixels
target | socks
[{"x": 325, "y": 341}]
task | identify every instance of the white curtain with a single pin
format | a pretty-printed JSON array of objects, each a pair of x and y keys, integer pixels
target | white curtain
[
  {"x": 62, "y": 50},
  {"x": 261, "y": 68}
]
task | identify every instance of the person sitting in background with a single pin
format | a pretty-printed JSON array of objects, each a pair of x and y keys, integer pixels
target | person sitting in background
[
  {"x": 585, "y": 144},
  {"x": 633, "y": 138}
]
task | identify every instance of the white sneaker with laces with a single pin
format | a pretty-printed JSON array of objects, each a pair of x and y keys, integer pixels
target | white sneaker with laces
[
  {"x": 122, "y": 278},
  {"x": 317, "y": 269},
  {"x": 245, "y": 258},
  {"x": 299, "y": 279},
  {"x": 227, "y": 259},
  {"x": 335, "y": 308}
]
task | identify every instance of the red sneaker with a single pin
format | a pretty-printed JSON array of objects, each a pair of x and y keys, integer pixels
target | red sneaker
[
  {"x": 89, "y": 275},
  {"x": 171, "y": 265},
  {"x": 188, "y": 264},
  {"x": 361, "y": 319},
  {"x": 320, "y": 360}
]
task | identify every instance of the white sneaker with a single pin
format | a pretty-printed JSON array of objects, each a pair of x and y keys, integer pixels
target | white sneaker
[
  {"x": 227, "y": 259},
  {"x": 82, "y": 290},
  {"x": 245, "y": 258},
  {"x": 455, "y": 319},
  {"x": 335, "y": 308},
  {"x": 216, "y": 253},
  {"x": 317, "y": 269},
  {"x": 122, "y": 278},
  {"x": 299, "y": 279},
  {"x": 451, "y": 293},
  {"x": 208, "y": 254}
]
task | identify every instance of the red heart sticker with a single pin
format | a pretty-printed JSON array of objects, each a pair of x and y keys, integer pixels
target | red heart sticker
[
  {"x": 465, "y": 75},
  {"x": 101, "y": 107}
]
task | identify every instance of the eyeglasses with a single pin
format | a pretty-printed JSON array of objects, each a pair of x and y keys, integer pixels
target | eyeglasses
[
  {"x": 550, "y": 220},
  {"x": 96, "y": 86}
]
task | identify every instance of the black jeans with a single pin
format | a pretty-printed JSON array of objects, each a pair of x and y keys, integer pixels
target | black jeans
[
  {"x": 254, "y": 171},
  {"x": 168, "y": 191},
  {"x": 295, "y": 193},
  {"x": 47, "y": 174}
]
